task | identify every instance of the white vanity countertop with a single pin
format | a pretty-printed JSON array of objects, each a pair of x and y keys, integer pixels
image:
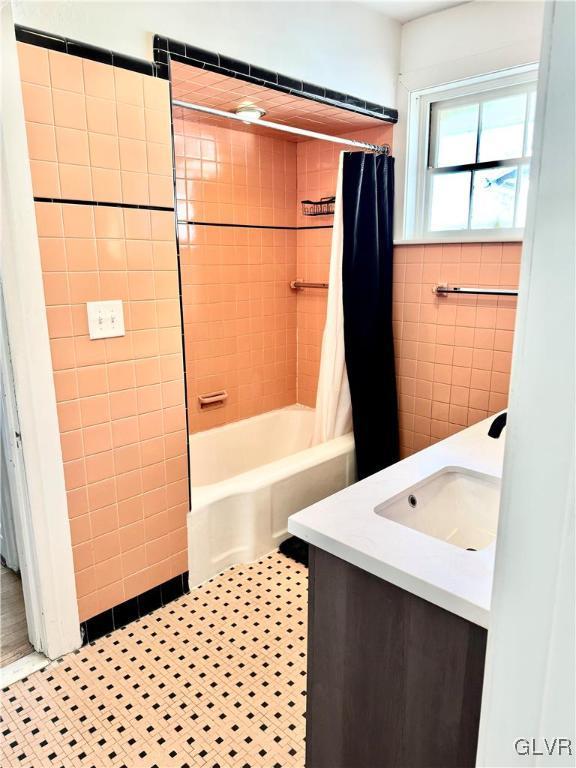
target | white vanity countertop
[{"x": 345, "y": 525}]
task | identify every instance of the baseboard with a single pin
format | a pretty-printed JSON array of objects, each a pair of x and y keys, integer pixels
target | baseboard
[{"x": 135, "y": 608}]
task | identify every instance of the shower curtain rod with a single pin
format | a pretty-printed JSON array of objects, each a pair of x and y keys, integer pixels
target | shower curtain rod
[{"x": 383, "y": 149}]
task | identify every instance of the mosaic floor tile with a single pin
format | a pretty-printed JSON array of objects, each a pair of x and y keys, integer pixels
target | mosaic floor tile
[{"x": 217, "y": 678}]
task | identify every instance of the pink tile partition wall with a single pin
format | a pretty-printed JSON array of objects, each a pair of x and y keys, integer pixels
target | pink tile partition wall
[
  {"x": 239, "y": 311},
  {"x": 100, "y": 133},
  {"x": 95, "y": 132},
  {"x": 453, "y": 353},
  {"x": 317, "y": 176}
]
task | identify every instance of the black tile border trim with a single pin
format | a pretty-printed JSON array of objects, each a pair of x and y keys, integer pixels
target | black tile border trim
[
  {"x": 101, "y": 204},
  {"x": 252, "y": 226},
  {"x": 87, "y": 51},
  {"x": 136, "y": 608},
  {"x": 166, "y": 49}
]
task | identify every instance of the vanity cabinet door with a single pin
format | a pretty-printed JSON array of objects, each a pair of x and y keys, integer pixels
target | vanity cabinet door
[{"x": 393, "y": 681}]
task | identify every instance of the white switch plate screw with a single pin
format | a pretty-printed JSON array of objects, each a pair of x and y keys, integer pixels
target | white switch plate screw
[{"x": 105, "y": 319}]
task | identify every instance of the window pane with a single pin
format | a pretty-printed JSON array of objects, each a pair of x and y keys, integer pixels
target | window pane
[
  {"x": 493, "y": 194},
  {"x": 502, "y": 131},
  {"x": 522, "y": 196},
  {"x": 457, "y": 129},
  {"x": 530, "y": 122},
  {"x": 450, "y": 201}
]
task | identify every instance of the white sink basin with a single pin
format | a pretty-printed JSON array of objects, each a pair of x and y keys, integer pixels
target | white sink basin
[{"x": 456, "y": 505}]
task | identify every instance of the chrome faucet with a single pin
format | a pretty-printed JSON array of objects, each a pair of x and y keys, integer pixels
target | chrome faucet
[{"x": 497, "y": 425}]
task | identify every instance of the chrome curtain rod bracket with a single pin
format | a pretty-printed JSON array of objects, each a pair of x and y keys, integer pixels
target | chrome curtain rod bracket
[
  {"x": 297, "y": 285},
  {"x": 383, "y": 149},
  {"x": 444, "y": 290}
]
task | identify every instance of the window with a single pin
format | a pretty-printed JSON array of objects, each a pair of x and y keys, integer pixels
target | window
[{"x": 469, "y": 166}]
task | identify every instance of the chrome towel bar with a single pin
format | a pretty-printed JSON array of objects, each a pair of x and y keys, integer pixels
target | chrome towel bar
[
  {"x": 443, "y": 290},
  {"x": 298, "y": 284}
]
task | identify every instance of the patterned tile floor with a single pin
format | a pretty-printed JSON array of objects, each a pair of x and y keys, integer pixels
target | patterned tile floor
[{"x": 216, "y": 678}]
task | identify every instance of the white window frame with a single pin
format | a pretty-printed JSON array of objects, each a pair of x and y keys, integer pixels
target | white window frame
[{"x": 417, "y": 147}]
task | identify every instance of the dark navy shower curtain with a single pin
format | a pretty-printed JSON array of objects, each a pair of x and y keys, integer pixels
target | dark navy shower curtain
[{"x": 367, "y": 197}]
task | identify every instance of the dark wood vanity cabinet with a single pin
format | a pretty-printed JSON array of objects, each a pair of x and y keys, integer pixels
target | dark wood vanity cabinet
[{"x": 393, "y": 680}]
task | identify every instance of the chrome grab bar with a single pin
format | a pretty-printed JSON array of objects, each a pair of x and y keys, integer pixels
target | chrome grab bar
[{"x": 298, "y": 284}]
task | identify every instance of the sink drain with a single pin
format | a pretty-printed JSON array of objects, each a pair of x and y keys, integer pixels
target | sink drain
[
  {"x": 471, "y": 549},
  {"x": 412, "y": 500}
]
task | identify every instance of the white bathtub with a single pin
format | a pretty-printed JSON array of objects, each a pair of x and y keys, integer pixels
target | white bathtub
[{"x": 248, "y": 477}]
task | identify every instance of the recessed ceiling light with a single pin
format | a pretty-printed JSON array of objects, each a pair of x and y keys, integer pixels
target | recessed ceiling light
[{"x": 249, "y": 114}]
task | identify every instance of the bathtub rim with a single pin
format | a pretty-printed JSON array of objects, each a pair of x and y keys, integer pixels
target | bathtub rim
[
  {"x": 231, "y": 425},
  {"x": 265, "y": 474},
  {"x": 238, "y": 425}
]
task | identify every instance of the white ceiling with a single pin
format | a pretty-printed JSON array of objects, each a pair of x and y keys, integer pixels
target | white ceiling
[{"x": 406, "y": 10}]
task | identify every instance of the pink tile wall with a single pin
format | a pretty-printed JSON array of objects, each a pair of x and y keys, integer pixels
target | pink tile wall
[
  {"x": 120, "y": 400},
  {"x": 233, "y": 176},
  {"x": 239, "y": 320},
  {"x": 453, "y": 353},
  {"x": 239, "y": 311},
  {"x": 317, "y": 178}
]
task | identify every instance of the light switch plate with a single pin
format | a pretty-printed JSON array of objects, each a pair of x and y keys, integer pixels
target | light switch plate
[{"x": 105, "y": 319}]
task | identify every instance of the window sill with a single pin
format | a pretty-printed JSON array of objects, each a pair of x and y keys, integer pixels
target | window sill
[{"x": 461, "y": 239}]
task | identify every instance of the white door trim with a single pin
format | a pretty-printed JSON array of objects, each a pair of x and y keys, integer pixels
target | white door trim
[
  {"x": 17, "y": 480},
  {"x": 529, "y": 695},
  {"x": 43, "y": 527}
]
